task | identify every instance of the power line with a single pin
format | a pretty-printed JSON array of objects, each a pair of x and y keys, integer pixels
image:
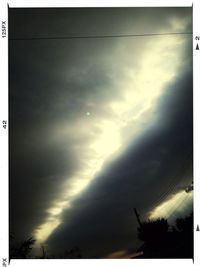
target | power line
[{"x": 99, "y": 36}]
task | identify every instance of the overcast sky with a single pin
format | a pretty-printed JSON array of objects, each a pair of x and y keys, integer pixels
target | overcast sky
[{"x": 98, "y": 126}]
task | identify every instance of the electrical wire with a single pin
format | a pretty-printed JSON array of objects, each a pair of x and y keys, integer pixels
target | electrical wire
[{"x": 99, "y": 36}]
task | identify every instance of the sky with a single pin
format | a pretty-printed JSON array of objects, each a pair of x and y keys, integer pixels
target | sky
[{"x": 98, "y": 126}]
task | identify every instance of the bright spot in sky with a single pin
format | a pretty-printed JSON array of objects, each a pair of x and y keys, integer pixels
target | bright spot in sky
[
  {"x": 159, "y": 65},
  {"x": 176, "y": 204}
]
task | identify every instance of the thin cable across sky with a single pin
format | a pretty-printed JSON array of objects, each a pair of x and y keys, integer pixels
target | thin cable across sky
[{"x": 99, "y": 36}]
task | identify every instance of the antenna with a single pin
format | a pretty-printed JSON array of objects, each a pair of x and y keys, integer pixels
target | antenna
[{"x": 138, "y": 217}]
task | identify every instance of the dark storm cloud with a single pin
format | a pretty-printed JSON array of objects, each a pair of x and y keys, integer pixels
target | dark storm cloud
[
  {"x": 54, "y": 83},
  {"x": 102, "y": 219},
  {"x": 55, "y": 67}
]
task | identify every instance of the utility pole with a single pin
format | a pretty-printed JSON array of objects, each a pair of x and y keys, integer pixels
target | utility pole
[
  {"x": 138, "y": 217},
  {"x": 43, "y": 252}
]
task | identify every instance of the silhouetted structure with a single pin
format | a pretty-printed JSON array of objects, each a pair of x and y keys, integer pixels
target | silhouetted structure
[{"x": 137, "y": 216}]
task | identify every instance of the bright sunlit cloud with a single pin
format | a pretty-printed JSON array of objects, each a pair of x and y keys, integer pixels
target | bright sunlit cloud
[
  {"x": 108, "y": 141},
  {"x": 176, "y": 203},
  {"x": 159, "y": 66},
  {"x": 44, "y": 230}
]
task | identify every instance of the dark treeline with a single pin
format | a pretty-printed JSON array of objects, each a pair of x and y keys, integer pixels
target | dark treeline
[
  {"x": 160, "y": 240},
  {"x": 22, "y": 250}
]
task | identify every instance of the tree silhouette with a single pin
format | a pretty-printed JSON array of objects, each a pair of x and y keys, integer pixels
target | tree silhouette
[
  {"x": 185, "y": 225},
  {"x": 26, "y": 247},
  {"x": 185, "y": 231},
  {"x": 153, "y": 231},
  {"x": 161, "y": 241},
  {"x": 22, "y": 250}
]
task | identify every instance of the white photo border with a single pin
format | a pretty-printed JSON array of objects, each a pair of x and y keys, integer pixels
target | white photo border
[{"x": 4, "y": 201}]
